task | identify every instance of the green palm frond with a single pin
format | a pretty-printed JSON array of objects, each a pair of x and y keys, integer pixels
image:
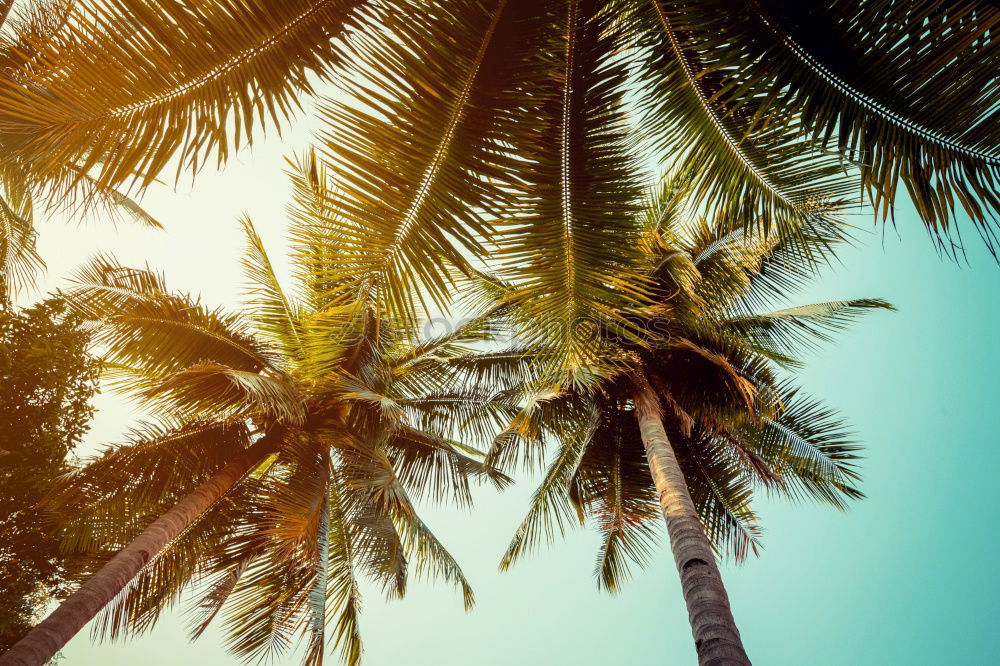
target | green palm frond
[
  {"x": 804, "y": 326},
  {"x": 722, "y": 494},
  {"x": 739, "y": 269},
  {"x": 809, "y": 447},
  {"x": 275, "y": 314},
  {"x": 551, "y": 510},
  {"x": 211, "y": 390},
  {"x": 612, "y": 485},
  {"x": 570, "y": 255},
  {"x": 772, "y": 173},
  {"x": 422, "y": 157},
  {"x": 875, "y": 84},
  {"x": 147, "y": 327}
]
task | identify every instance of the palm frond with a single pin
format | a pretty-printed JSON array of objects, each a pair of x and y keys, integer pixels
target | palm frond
[
  {"x": 274, "y": 314},
  {"x": 612, "y": 484},
  {"x": 114, "y": 496},
  {"x": 722, "y": 494},
  {"x": 766, "y": 176},
  {"x": 421, "y": 156},
  {"x": 343, "y": 595},
  {"x": 126, "y": 85},
  {"x": 217, "y": 391},
  {"x": 20, "y": 262},
  {"x": 571, "y": 254},
  {"x": 551, "y": 509},
  {"x": 804, "y": 326},
  {"x": 901, "y": 90},
  {"x": 160, "y": 583},
  {"x": 809, "y": 446},
  {"x": 147, "y": 327}
]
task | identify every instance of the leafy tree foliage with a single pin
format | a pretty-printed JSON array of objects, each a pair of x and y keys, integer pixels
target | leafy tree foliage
[{"x": 48, "y": 381}]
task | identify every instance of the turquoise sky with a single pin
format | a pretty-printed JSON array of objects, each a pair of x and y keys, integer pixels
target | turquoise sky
[{"x": 907, "y": 576}]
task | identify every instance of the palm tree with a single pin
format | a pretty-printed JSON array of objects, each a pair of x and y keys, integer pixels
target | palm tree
[
  {"x": 768, "y": 98},
  {"x": 665, "y": 396},
  {"x": 289, "y": 443}
]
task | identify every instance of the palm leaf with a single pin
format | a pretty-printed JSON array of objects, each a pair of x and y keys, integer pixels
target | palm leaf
[
  {"x": 875, "y": 83},
  {"x": 571, "y": 254},
  {"x": 551, "y": 509},
  {"x": 765, "y": 176},
  {"x": 803, "y": 326},
  {"x": 147, "y": 327},
  {"x": 420, "y": 153},
  {"x": 126, "y": 85},
  {"x": 274, "y": 314}
]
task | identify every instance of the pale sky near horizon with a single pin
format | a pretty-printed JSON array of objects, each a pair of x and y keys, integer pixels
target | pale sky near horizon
[{"x": 906, "y": 577}]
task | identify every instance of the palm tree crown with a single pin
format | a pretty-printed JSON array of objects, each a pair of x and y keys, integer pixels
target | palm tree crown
[
  {"x": 348, "y": 420},
  {"x": 713, "y": 356},
  {"x": 693, "y": 343}
]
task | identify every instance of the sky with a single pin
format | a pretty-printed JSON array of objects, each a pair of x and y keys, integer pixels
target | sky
[{"x": 906, "y": 576}]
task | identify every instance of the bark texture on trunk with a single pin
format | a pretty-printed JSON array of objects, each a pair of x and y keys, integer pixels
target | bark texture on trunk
[
  {"x": 716, "y": 637},
  {"x": 41, "y": 643}
]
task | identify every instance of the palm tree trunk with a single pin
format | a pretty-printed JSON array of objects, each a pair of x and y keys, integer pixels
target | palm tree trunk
[
  {"x": 49, "y": 635},
  {"x": 716, "y": 637}
]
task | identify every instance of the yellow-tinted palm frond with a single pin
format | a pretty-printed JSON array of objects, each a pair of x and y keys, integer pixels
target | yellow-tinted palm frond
[
  {"x": 160, "y": 583},
  {"x": 207, "y": 390},
  {"x": 19, "y": 258},
  {"x": 24, "y": 195},
  {"x": 430, "y": 559},
  {"x": 151, "y": 329},
  {"x": 274, "y": 314},
  {"x": 116, "y": 494},
  {"x": 422, "y": 154},
  {"x": 124, "y": 86},
  {"x": 551, "y": 510}
]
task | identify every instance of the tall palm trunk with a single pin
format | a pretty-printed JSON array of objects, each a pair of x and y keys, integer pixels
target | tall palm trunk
[
  {"x": 716, "y": 637},
  {"x": 42, "y": 642}
]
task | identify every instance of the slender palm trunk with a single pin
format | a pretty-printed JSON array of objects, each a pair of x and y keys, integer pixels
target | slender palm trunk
[
  {"x": 715, "y": 634},
  {"x": 42, "y": 642}
]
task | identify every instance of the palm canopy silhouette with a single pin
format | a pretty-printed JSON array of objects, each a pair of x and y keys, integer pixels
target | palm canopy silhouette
[
  {"x": 289, "y": 445},
  {"x": 674, "y": 404},
  {"x": 776, "y": 102}
]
